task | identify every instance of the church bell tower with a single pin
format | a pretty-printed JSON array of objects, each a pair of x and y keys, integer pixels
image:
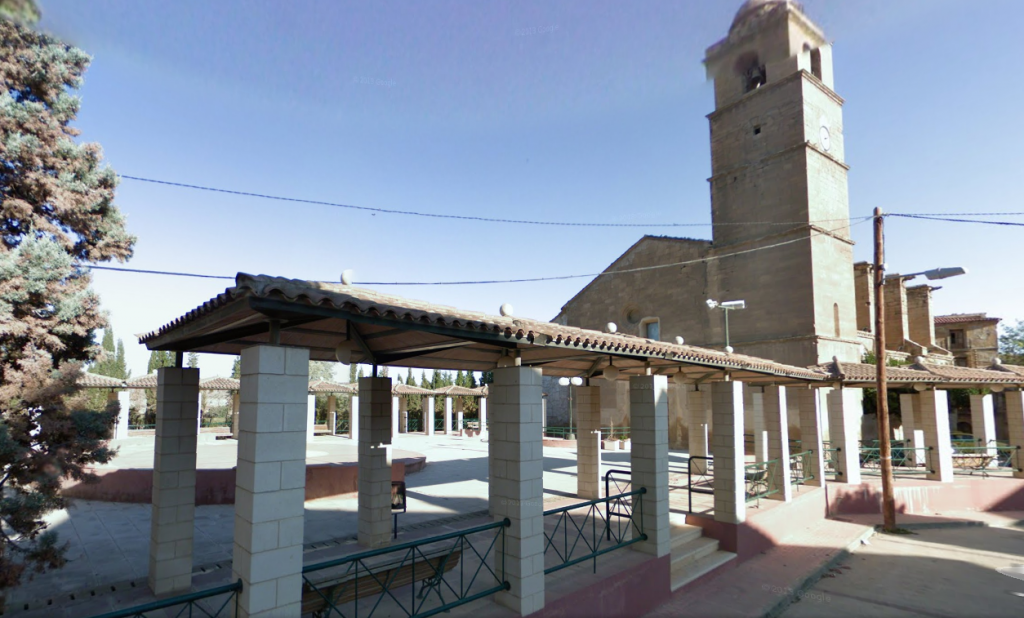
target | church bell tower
[{"x": 779, "y": 197}]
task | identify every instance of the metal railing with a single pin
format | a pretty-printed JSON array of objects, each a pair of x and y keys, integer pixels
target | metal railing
[
  {"x": 369, "y": 581},
  {"x": 971, "y": 458},
  {"x": 622, "y": 486},
  {"x": 139, "y": 427},
  {"x": 555, "y": 432},
  {"x": 594, "y": 528},
  {"x": 801, "y": 467},
  {"x": 700, "y": 480},
  {"x": 439, "y": 422},
  {"x": 414, "y": 424},
  {"x": 904, "y": 459},
  {"x": 758, "y": 479},
  {"x": 191, "y": 604}
]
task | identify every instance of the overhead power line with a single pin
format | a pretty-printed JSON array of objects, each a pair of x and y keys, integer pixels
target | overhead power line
[
  {"x": 434, "y": 215},
  {"x": 951, "y": 220},
  {"x": 859, "y": 221}
]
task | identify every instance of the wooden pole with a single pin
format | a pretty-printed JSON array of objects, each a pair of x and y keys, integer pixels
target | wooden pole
[{"x": 881, "y": 391}]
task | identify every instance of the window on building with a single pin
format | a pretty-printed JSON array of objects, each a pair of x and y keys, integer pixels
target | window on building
[
  {"x": 957, "y": 339},
  {"x": 651, "y": 329},
  {"x": 816, "y": 63}
]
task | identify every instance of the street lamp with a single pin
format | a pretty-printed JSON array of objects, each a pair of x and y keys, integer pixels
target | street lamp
[
  {"x": 727, "y": 306},
  {"x": 881, "y": 388},
  {"x": 577, "y": 381}
]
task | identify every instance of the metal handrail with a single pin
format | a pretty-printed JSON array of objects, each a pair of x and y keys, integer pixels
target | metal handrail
[
  {"x": 799, "y": 462},
  {"x": 608, "y": 513},
  {"x": 756, "y": 475},
  {"x": 414, "y": 553},
  {"x": 903, "y": 461},
  {"x": 594, "y": 544},
  {"x": 188, "y": 600}
]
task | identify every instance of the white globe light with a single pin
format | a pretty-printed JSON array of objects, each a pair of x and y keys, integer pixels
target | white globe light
[
  {"x": 679, "y": 377},
  {"x": 611, "y": 327},
  {"x": 679, "y": 341},
  {"x": 577, "y": 381},
  {"x": 611, "y": 373},
  {"x": 728, "y": 349},
  {"x": 343, "y": 353},
  {"x": 563, "y": 381},
  {"x": 346, "y": 277},
  {"x": 506, "y": 310}
]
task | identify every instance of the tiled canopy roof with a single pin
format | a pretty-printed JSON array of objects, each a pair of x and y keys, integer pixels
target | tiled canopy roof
[
  {"x": 148, "y": 381},
  {"x": 409, "y": 389},
  {"x": 455, "y": 390},
  {"x": 920, "y": 372},
  {"x": 958, "y": 318},
  {"x": 323, "y": 386},
  {"x": 219, "y": 384},
  {"x": 200, "y": 328},
  {"x": 92, "y": 380}
]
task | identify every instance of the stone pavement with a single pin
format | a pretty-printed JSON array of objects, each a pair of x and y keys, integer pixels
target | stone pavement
[
  {"x": 932, "y": 572},
  {"x": 759, "y": 586},
  {"x": 109, "y": 542}
]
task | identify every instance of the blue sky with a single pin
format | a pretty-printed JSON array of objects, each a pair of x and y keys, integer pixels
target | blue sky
[{"x": 572, "y": 111}]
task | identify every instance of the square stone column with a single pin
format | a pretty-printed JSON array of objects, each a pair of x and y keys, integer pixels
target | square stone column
[
  {"x": 727, "y": 448},
  {"x": 353, "y": 418},
  {"x": 428, "y": 415},
  {"x": 483, "y": 419},
  {"x": 235, "y": 406},
  {"x": 983, "y": 421},
  {"x": 844, "y": 412},
  {"x": 809, "y": 408},
  {"x": 912, "y": 432},
  {"x": 403, "y": 414},
  {"x": 588, "y": 443},
  {"x": 698, "y": 407},
  {"x": 124, "y": 401},
  {"x": 174, "y": 481},
  {"x": 933, "y": 410},
  {"x": 448, "y": 416},
  {"x": 332, "y": 413},
  {"x": 376, "y": 410},
  {"x": 516, "y": 460},
  {"x": 760, "y": 428},
  {"x": 776, "y": 420},
  {"x": 394, "y": 416},
  {"x": 270, "y": 481},
  {"x": 544, "y": 411},
  {"x": 310, "y": 417},
  {"x": 648, "y": 411},
  {"x": 1015, "y": 427}
]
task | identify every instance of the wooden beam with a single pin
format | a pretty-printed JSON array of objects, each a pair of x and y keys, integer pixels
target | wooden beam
[{"x": 354, "y": 334}]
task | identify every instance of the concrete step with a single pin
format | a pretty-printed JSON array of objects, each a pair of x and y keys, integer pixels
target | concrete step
[
  {"x": 690, "y": 571},
  {"x": 683, "y": 534},
  {"x": 692, "y": 552}
]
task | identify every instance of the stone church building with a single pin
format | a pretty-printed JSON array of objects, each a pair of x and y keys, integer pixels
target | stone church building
[{"x": 780, "y": 226}]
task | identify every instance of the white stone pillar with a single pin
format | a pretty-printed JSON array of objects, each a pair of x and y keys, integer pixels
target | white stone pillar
[
  {"x": 403, "y": 414},
  {"x": 174, "y": 481},
  {"x": 776, "y": 420},
  {"x": 310, "y": 417},
  {"x": 844, "y": 412},
  {"x": 353, "y": 418},
  {"x": 516, "y": 460},
  {"x": 270, "y": 481},
  {"x": 808, "y": 407},
  {"x": 483, "y": 419},
  {"x": 199, "y": 412},
  {"x": 394, "y": 416},
  {"x": 448, "y": 416},
  {"x": 235, "y": 406},
  {"x": 544, "y": 411},
  {"x": 697, "y": 408},
  {"x": 1015, "y": 427},
  {"x": 728, "y": 451},
  {"x": 428, "y": 414},
  {"x": 332, "y": 413},
  {"x": 933, "y": 408},
  {"x": 376, "y": 412},
  {"x": 648, "y": 411},
  {"x": 588, "y": 445},
  {"x": 912, "y": 432},
  {"x": 983, "y": 422},
  {"x": 460, "y": 426},
  {"x": 760, "y": 429},
  {"x": 124, "y": 401}
]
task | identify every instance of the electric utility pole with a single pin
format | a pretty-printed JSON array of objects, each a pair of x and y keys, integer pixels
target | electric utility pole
[{"x": 881, "y": 390}]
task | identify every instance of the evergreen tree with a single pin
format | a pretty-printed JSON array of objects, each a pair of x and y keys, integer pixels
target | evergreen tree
[
  {"x": 236, "y": 368},
  {"x": 1011, "y": 344},
  {"x": 57, "y": 212},
  {"x": 121, "y": 363},
  {"x": 193, "y": 360},
  {"x": 354, "y": 373},
  {"x": 158, "y": 359},
  {"x": 321, "y": 371}
]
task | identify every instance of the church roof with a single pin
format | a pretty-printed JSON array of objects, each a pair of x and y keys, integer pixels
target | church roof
[{"x": 960, "y": 318}]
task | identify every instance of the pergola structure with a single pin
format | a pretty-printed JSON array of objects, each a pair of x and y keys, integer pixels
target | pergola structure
[
  {"x": 278, "y": 325},
  {"x": 455, "y": 393}
]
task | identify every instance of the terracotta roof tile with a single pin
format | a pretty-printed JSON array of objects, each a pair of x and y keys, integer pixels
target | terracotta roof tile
[
  {"x": 92, "y": 380},
  {"x": 148, "y": 381},
  {"x": 958, "y": 318},
  {"x": 409, "y": 389},
  {"x": 323, "y": 386},
  {"x": 219, "y": 384},
  {"x": 463, "y": 391}
]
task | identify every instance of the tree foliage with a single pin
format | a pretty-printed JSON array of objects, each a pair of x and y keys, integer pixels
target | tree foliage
[
  {"x": 56, "y": 212},
  {"x": 1011, "y": 344}
]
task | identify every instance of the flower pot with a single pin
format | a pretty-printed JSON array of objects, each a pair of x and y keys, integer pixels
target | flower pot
[
  {"x": 610, "y": 445},
  {"x": 624, "y": 445}
]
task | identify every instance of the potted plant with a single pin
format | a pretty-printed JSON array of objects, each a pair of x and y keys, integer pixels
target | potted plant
[{"x": 624, "y": 442}]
